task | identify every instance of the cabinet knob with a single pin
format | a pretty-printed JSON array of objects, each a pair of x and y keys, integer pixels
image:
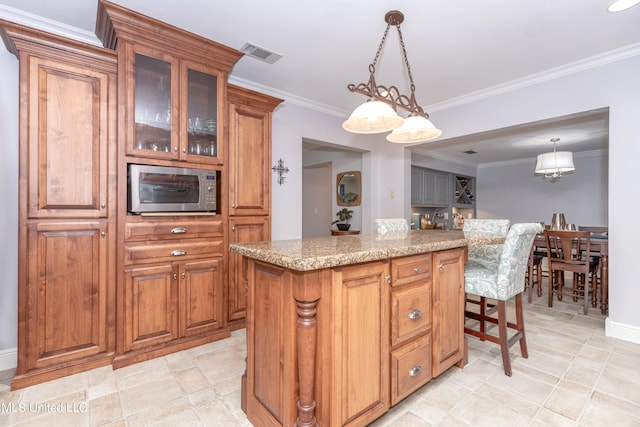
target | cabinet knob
[
  {"x": 415, "y": 371},
  {"x": 440, "y": 266},
  {"x": 175, "y": 148},
  {"x": 103, "y": 233},
  {"x": 415, "y": 314},
  {"x": 178, "y": 230},
  {"x": 103, "y": 205},
  {"x": 388, "y": 278},
  {"x": 183, "y": 275},
  {"x": 178, "y": 252},
  {"x": 417, "y": 269},
  {"x": 175, "y": 276},
  {"x": 184, "y": 150},
  {"x": 233, "y": 228},
  {"x": 233, "y": 205}
]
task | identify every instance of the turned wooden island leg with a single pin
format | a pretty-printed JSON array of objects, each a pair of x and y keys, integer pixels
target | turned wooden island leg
[{"x": 306, "y": 333}]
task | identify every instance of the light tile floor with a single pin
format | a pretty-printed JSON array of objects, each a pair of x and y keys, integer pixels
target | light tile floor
[{"x": 574, "y": 376}]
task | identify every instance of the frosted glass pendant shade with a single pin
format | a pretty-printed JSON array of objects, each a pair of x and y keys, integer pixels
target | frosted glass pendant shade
[
  {"x": 555, "y": 163},
  {"x": 414, "y": 129},
  {"x": 372, "y": 117}
]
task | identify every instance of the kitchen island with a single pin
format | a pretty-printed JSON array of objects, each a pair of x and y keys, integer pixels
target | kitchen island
[{"x": 339, "y": 329}]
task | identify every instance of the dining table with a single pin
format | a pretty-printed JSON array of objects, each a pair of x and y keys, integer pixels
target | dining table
[{"x": 600, "y": 245}]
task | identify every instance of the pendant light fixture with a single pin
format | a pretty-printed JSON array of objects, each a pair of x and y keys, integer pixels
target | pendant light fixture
[
  {"x": 379, "y": 113},
  {"x": 552, "y": 165}
]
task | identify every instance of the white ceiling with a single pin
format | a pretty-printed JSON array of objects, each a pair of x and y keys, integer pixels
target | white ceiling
[{"x": 455, "y": 49}]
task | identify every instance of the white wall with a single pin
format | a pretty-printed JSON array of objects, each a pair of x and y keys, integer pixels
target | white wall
[
  {"x": 8, "y": 208},
  {"x": 514, "y": 192}
]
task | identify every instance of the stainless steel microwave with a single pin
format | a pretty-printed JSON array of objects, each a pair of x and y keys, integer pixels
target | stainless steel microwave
[{"x": 169, "y": 189}]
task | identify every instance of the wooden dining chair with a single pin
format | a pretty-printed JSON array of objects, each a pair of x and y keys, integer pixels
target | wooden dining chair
[
  {"x": 501, "y": 281},
  {"x": 567, "y": 252}
]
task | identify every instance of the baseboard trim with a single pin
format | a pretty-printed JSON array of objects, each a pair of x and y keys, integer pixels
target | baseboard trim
[
  {"x": 8, "y": 359},
  {"x": 622, "y": 331}
]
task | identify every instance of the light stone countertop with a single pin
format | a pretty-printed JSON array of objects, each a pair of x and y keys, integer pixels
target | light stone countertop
[{"x": 325, "y": 252}]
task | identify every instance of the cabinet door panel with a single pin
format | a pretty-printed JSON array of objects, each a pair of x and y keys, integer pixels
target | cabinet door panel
[
  {"x": 448, "y": 309},
  {"x": 363, "y": 346},
  {"x": 249, "y": 157},
  {"x": 150, "y": 306},
  {"x": 200, "y": 296},
  {"x": 242, "y": 230},
  {"x": 68, "y": 132},
  {"x": 67, "y": 268}
]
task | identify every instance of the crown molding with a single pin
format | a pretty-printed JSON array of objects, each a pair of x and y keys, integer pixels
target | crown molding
[
  {"x": 533, "y": 79},
  {"x": 49, "y": 25},
  {"x": 289, "y": 97}
]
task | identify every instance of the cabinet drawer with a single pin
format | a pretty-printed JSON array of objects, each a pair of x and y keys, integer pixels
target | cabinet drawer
[
  {"x": 410, "y": 312},
  {"x": 172, "y": 229},
  {"x": 409, "y": 269},
  {"x": 172, "y": 251},
  {"x": 410, "y": 367}
]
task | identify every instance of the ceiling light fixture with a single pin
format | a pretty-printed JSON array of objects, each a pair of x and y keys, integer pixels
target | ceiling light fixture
[
  {"x": 552, "y": 165},
  {"x": 620, "y": 5},
  {"x": 379, "y": 113}
]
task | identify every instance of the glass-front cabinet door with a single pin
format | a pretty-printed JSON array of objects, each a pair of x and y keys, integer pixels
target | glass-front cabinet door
[
  {"x": 202, "y": 89},
  {"x": 176, "y": 108},
  {"x": 154, "y": 132}
]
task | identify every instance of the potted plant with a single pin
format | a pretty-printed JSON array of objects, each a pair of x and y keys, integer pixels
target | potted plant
[{"x": 344, "y": 215}]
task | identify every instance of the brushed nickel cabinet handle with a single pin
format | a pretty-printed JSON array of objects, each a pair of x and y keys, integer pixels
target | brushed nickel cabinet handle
[
  {"x": 415, "y": 314},
  {"x": 103, "y": 233},
  {"x": 178, "y": 252},
  {"x": 440, "y": 266},
  {"x": 175, "y": 276},
  {"x": 417, "y": 270},
  {"x": 388, "y": 278},
  {"x": 103, "y": 205},
  {"x": 415, "y": 371},
  {"x": 178, "y": 230},
  {"x": 183, "y": 275}
]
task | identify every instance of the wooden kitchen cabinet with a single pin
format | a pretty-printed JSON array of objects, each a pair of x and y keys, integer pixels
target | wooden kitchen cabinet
[
  {"x": 66, "y": 237},
  {"x": 242, "y": 229},
  {"x": 250, "y": 151},
  {"x": 411, "y": 320},
  {"x": 173, "y": 285},
  {"x": 250, "y": 175},
  {"x": 169, "y": 301},
  {"x": 173, "y": 87},
  {"x": 448, "y": 309}
]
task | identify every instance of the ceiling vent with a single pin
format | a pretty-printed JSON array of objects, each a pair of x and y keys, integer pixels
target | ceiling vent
[{"x": 260, "y": 53}]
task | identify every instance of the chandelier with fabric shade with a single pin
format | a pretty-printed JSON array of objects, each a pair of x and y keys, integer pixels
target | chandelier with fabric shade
[
  {"x": 379, "y": 113},
  {"x": 553, "y": 165}
]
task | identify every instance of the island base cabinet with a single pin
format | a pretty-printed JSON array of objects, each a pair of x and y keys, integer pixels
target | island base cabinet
[
  {"x": 298, "y": 369},
  {"x": 448, "y": 309}
]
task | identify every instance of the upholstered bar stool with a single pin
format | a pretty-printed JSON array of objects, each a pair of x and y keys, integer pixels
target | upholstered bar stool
[
  {"x": 485, "y": 253},
  {"x": 502, "y": 281}
]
